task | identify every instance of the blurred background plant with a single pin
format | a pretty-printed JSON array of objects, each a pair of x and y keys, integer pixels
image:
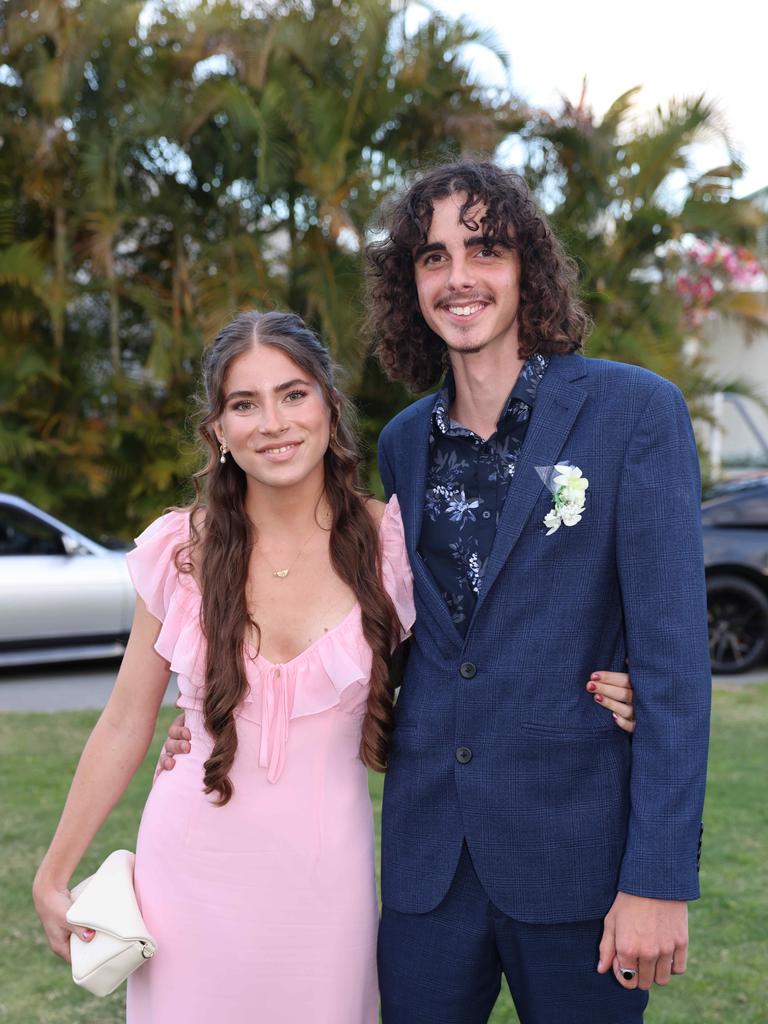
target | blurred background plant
[{"x": 165, "y": 164}]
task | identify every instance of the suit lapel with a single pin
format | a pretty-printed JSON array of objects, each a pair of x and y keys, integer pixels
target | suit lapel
[{"x": 558, "y": 403}]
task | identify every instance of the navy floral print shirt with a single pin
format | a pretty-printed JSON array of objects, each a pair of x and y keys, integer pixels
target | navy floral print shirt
[{"x": 467, "y": 482}]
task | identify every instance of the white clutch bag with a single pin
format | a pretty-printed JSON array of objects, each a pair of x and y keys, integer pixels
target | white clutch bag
[{"x": 107, "y": 903}]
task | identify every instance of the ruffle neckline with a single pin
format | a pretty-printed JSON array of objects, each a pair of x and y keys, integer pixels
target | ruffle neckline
[{"x": 312, "y": 682}]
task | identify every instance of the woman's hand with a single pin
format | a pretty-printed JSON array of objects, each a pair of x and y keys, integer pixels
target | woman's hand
[
  {"x": 613, "y": 691},
  {"x": 52, "y": 905}
]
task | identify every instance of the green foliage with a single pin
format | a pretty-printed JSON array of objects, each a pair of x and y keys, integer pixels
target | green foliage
[
  {"x": 159, "y": 173},
  {"x": 619, "y": 189},
  {"x": 163, "y": 166}
]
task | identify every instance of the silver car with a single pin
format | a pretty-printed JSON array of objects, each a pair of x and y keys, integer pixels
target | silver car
[{"x": 62, "y": 595}]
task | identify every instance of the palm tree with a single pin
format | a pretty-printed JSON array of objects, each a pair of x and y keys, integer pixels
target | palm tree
[
  {"x": 609, "y": 183},
  {"x": 157, "y": 174}
]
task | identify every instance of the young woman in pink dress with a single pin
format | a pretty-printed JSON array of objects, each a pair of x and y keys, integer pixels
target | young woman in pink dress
[
  {"x": 278, "y": 599},
  {"x": 255, "y": 857}
]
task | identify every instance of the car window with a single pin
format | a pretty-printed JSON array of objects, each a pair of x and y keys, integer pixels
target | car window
[
  {"x": 23, "y": 534},
  {"x": 745, "y": 510}
]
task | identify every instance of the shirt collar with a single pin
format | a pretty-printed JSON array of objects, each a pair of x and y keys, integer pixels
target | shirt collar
[{"x": 525, "y": 389}]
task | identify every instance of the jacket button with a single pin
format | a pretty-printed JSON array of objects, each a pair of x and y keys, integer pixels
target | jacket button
[
  {"x": 468, "y": 670},
  {"x": 463, "y": 755}
]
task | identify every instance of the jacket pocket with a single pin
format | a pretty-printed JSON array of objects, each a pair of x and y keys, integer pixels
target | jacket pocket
[{"x": 586, "y": 733}]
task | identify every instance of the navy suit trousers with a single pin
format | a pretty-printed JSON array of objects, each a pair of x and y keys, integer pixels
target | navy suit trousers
[{"x": 445, "y": 966}]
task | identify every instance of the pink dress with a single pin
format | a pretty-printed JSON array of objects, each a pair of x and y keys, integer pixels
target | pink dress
[{"x": 264, "y": 910}]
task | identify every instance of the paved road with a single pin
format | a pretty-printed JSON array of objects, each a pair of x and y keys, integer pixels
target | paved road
[
  {"x": 89, "y": 685},
  {"x": 65, "y": 688}
]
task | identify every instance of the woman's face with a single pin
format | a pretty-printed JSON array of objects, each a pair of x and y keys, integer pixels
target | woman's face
[{"x": 275, "y": 421}]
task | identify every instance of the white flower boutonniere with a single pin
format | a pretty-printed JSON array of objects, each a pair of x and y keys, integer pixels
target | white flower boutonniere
[{"x": 568, "y": 486}]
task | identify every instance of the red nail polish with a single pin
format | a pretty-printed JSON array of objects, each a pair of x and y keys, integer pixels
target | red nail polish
[
  {"x": 599, "y": 697},
  {"x": 596, "y": 675},
  {"x": 591, "y": 687}
]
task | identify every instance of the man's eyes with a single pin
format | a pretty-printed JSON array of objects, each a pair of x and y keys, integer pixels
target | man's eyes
[{"x": 486, "y": 251}]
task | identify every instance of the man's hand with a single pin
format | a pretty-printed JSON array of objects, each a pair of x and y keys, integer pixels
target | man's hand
[
  {"x": 178, "y": 742},
  {"x": 647, "y": 936}
]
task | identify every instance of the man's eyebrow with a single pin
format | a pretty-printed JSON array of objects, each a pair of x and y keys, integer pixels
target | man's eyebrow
[
  {"x": 422, "y": 250},
  {"x": 487, "y": 241},
  {"x": 278, "y": 389},
  {"x": 470, "y": 242}
]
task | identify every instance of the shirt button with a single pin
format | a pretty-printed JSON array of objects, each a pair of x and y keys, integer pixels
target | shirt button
[
  {"x": 486, "y": 515},
  {"x": 463, "y": 755},
  {"x": 468, "y": 670}
]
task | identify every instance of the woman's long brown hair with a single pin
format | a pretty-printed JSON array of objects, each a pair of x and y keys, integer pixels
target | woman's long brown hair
[{"x": 222, "y": 539}]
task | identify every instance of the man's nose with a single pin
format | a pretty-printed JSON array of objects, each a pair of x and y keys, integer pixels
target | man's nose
[{"x": 462, "y": 275}]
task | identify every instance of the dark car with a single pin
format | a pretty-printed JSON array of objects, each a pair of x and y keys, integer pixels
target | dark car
[{"x": 735, "y": 522}]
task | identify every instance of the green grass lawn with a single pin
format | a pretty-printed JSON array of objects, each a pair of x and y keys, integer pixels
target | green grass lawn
[{"x": 727, "y": 965}]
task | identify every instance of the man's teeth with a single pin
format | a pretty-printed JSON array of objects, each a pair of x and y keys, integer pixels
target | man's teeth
[{"x": 465, "y": 310}]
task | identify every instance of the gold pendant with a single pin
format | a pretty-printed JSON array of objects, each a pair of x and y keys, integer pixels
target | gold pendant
[{"x": 282, "y": 573}]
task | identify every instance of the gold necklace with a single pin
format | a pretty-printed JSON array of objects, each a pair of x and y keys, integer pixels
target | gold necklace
[{"x": 282, "y": 573}]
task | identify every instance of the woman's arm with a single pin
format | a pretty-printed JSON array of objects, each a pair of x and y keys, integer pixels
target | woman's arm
[{"x": 114, "y": 751}]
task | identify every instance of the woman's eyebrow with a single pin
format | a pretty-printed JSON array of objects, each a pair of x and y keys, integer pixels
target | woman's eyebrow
[{"x": 277, "y": 389}]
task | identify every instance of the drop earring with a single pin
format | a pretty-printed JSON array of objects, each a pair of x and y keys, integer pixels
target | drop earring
[{"x": 224, "y": 450}]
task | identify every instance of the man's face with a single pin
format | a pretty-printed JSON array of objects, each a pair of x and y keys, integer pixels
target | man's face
[{"x": 468, "y": 284}]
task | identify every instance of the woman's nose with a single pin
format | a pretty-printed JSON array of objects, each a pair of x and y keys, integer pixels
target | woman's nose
[{"x": 272, "y": 420}]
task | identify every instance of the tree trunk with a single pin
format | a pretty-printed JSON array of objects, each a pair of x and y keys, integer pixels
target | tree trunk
[
  {"x": 58, "y": 305},
  {"x": 114, "y": 315}
]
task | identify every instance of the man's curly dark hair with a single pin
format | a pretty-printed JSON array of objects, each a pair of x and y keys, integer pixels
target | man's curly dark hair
[{"x": 551, "y": 318}]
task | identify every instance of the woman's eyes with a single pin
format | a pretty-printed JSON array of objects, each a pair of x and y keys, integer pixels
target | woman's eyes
[{"x": 246, "y": 405}]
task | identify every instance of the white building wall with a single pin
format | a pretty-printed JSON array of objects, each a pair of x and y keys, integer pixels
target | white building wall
[{"x": 743, "y": 421}]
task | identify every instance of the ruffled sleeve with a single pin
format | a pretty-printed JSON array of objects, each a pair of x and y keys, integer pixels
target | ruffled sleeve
[
  {"x": 396, "y": 567},
  {"x": 152, "y": 562},
  {"x": 174, "y": 599}
]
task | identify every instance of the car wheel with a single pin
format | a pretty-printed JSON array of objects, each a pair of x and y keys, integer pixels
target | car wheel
[{"x": 737, "y": 612}]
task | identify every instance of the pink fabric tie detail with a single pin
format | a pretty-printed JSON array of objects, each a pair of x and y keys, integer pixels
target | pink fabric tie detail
[{"x": 276, "y": 707}]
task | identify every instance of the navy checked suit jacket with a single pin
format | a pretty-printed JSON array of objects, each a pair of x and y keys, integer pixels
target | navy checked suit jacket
[{"x": 559, "y": 807}]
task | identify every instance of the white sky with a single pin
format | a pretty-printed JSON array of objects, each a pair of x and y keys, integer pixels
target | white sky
[{"x": 673, "y": 48}]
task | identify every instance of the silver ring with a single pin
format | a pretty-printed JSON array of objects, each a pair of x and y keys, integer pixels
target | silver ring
[{"x": 627, "y": 973}]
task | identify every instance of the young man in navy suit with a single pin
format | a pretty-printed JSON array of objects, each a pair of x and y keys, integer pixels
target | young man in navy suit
[{"x": 551, "y": 508}]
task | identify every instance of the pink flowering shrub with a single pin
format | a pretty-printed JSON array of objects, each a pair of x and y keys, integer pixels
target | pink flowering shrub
[{"x": 708, "y": 269}]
